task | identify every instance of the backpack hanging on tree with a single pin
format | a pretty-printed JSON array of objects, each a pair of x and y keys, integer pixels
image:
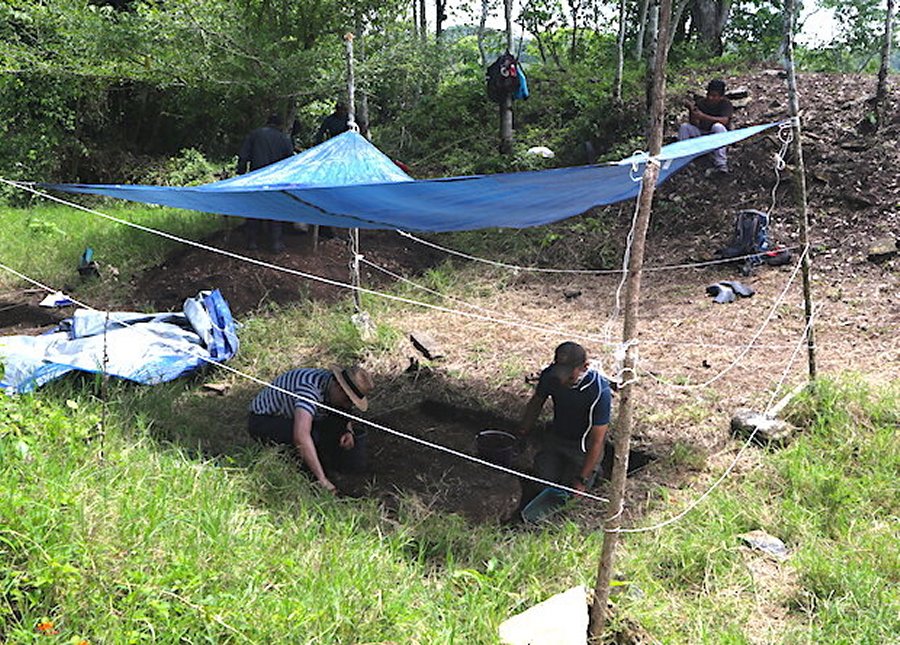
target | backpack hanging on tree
[{"x": 503, "y": 77}]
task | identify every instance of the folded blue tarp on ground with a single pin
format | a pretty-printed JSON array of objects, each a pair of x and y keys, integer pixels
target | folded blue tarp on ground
[
  {"x": 347, "y": 182},
  {"x": 145, "y": 348}
]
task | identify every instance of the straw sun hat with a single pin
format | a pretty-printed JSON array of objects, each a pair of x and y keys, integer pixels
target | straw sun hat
[{"x": 357, "y": 384}]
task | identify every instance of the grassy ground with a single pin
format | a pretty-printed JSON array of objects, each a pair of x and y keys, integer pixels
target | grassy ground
[
  {"x": 46, "y": 242},
  {"x": 119, "y": 525}
]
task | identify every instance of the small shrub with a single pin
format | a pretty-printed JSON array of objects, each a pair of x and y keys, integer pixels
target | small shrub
[{"x": 188, "y": 168}]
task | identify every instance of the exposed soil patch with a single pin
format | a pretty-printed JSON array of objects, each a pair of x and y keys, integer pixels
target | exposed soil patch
[
  {"x": 20, "y": 314},
  {"x": 248, "y": 287},
  {"x": 445, "y": 482}
]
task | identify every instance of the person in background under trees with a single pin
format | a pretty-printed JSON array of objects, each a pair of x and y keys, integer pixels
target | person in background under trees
[
  {"x": 287, "y": 412},
  {"x": 264, "y": 146},
  {"x": 334, "y": 124},
  {"x": 573, "y": 444},
  {"x": 710, "y": 115}
]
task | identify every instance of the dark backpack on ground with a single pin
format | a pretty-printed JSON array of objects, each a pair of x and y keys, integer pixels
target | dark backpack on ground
[
  {"x": 751, "y": 235},
  {"x": 503, "y": 77},
  {"x": 751, "y": 238}
]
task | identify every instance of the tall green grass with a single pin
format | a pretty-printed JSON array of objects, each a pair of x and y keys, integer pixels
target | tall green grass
[
  {"x": 46, "y": 242},
  {"x": 831, "y": 496},
  {"x": 143, "y": 534}
]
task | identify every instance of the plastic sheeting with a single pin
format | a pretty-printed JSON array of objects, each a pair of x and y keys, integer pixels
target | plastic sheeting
[
  {"x": 348, "y": 183},
  {"x": 145, "y": 348}
]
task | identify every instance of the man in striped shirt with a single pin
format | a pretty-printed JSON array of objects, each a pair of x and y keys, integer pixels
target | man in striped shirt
[
  {"x": 292, "y": 411},
  {"x": 572, "y": 447}
]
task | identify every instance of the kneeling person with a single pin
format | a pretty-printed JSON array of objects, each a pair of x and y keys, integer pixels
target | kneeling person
[
  {"x": 572, "y": 448},
  {"x": 322, "y": 438}
]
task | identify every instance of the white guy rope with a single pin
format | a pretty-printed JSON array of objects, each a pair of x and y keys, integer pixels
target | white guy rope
[
  {"x": 696, "y": 502},
  {"x": 556, "y": 331},
  {"x": 784, "y": 374},
  {"x": 785, "y": 136},
  {"x": 335, "y": 283},
  {"x": 302, "y": 274},
  {"x": 527, "y": 269},
  {"x": 343, "y": 413},
  {"x": 749, "y": 345},
  {"x": 626, "y": 259}
]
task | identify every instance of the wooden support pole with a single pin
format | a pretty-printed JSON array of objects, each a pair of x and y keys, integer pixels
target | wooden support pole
[
  {"x": 351, "y": 122},
  {"x": 799, "y": 174},
  {"x": 622, "y": 441}
]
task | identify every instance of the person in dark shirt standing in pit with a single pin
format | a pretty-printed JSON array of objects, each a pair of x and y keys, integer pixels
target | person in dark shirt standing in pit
[
  {"x": 262, "y": 147},
  {"x": 332, "y": 125},
  {"x": 573, "y": 444},
  {"x": 710, "y": 115}
]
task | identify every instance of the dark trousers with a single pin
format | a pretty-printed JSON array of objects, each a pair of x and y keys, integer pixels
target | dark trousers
[
  {"x": 256, "y": 228},
  {"x": 560, "y": 460},
  {"x": 326, "y": 434}
]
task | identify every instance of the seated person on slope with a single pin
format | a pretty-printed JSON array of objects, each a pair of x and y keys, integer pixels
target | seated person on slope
[{"x": 710, "y": 115}]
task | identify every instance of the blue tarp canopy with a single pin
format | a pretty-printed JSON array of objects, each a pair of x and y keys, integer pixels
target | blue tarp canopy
[
  {"x": 347, "y": 182},
  {"x": 145, "y": 348}
]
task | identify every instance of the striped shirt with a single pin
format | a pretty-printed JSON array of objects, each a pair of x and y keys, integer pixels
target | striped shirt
[{"x": 309, "y": 383}]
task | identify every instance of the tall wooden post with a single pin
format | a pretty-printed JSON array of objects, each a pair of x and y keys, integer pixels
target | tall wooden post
[
  {"x": 790, "y": 11},
  {"x": 622, "y": 441},
  {"x": 351, "y": 122},
  {"x": 506, "y": 105}
]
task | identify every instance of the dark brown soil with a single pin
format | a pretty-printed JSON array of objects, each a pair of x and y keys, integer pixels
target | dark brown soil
[{"x": 248, "y": 287}]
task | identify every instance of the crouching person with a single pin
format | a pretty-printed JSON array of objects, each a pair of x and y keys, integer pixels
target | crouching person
[{"x": 289, "y": 412}]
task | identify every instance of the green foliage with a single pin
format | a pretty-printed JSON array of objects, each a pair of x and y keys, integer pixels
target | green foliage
[
  {"x": 755, "y": 30},
  {"x": 46, "y": 242},
  {"x": 188, "y": 168}
]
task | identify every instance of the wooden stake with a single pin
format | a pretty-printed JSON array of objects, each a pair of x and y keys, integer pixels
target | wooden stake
[
  {"x": 351, "y": 122},
  {"x": 790, "y": 16},
  {"x": 622, "y": 442}
]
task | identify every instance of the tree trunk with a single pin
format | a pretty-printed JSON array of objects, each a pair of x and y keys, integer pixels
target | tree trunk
[
  {"x": 574, "y": 8},
  {"x": 677, "y": 20},
  {"x": 642, "y": 29},
  {"x": 710, "y": 18},
  {"x": 541, "y": 50},
  {"x": 652, "y": 41},
  {"x": 439, "y": 16},
  {"x": 423, "y": 23},
  {"x": 881, "y": 91},
  {"x": 506, "y": 111},
  {"x": 362, "y": 113},
  {"x": 790, "y": 18},
  {"x": 620, "y": 55},
  {"x": 506, "y": 126},
  {"x": 415, "y": 17},
  {"x": 485, "y": 9},
  {"x": 650, "y": 35}
]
